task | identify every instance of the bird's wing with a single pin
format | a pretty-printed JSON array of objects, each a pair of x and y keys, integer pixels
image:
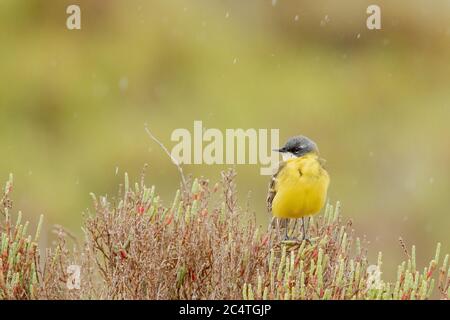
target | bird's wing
[{"x": 273, "y": 188}]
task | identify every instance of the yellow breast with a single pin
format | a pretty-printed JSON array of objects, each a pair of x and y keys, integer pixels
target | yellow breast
[{"x": 301, "y": 188}]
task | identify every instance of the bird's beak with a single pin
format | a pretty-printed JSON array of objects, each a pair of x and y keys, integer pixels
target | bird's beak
[{"x": 280, "y": 150}]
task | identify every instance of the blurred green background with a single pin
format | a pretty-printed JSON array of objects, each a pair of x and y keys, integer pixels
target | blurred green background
[{"x": 73, "y": 103}]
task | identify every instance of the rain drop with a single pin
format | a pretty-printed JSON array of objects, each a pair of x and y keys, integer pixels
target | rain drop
[
  {"x": 325, "y": 21},
  {"x": 123, "y": 84}
]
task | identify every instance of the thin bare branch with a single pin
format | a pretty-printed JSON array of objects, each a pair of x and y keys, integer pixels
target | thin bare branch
[{"x": 174, "y": 161}]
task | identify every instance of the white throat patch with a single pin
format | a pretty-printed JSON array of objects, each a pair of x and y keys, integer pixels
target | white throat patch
[{"x": 287, "y": 155}]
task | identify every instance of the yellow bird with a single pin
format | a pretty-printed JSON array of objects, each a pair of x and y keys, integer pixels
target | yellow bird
[{"x": 299, "y": 188}]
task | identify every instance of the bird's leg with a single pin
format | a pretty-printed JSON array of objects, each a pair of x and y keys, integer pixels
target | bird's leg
[
  {"x": 305, "y": 229},
  {"x": 287, "y": 223},
  {"x": 295, "y": 227},
  {"x": 286, "y": 226}
]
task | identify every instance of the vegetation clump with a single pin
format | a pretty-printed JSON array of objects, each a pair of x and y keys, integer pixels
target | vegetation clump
[{"x": 201, "y": 246}]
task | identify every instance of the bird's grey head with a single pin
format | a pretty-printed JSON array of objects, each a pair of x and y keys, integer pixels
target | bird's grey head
[{"x": 298, "y": 146}]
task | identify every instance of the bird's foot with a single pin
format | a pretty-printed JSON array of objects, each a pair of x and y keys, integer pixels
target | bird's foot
[
  {"x": 290, "y": 240},
  {"x": 309, "y": 240}
]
